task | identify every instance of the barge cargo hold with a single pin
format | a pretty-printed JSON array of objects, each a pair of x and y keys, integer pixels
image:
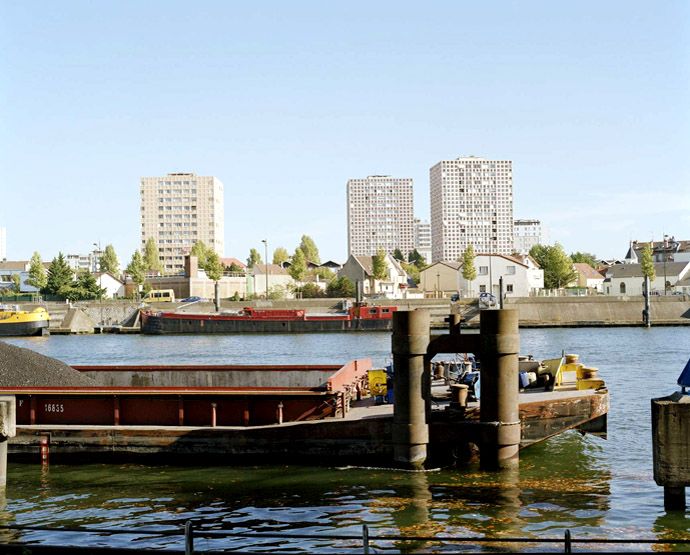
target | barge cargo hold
[{"x": 257, "y": 320}]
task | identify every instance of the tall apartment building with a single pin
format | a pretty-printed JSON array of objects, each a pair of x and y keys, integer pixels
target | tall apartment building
[
  {"x": 527, "y": 233},
  {"x": 471, "y": 203},
  {"x": 379, "y": 215},
  {"x": 422, "y": 238},
  {"x": 178, "y": 210}
]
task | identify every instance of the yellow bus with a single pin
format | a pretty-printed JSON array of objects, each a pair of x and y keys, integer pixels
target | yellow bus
[{"x": 160, "y": 296}]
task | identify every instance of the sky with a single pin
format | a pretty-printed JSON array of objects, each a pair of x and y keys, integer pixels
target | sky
[{"x": 286, "y": 101}]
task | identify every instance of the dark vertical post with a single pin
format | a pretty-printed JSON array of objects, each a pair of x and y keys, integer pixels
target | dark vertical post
[
  {"x": 500, "y": 344},
  {"x": 411, "y": 382},
  {"x": 646, "y": 313},
  {"x": 188, "y": 538},
  {"x": 500, "y": 292}
]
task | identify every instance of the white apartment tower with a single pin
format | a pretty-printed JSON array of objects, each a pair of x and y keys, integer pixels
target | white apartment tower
[
  {"x": 471, "y": 203},
  {"x": 177, "y": 211},
  {"x": 422, "y": 238},
  {"x": 527, "y": 233},
  {"x": 379, "y": 215}
]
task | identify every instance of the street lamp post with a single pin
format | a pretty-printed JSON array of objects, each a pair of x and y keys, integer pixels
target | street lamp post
[
  {"x": 265, "y": 242},
  {"x": 438, "y": 285},
  {"x": 665, "y": 250}
]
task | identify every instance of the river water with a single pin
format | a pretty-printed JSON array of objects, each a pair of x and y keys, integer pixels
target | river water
[{"x": 596, "y": 488}]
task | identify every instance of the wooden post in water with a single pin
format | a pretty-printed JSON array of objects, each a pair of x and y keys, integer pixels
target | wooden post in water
[
  {"x": 499, "y": 401},
  {"x": 411, "y": 384}
]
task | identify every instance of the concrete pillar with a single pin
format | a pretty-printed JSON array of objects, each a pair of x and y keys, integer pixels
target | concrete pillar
[
  {"x": 8, "y": 420},
  {"x": 411, "y": 383},
  {"x": 499, "y": 403},
  {"x": 670, "y": 446}
]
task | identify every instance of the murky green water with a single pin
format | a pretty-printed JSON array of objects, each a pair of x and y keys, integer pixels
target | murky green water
[{"x": 595, "y": 488}]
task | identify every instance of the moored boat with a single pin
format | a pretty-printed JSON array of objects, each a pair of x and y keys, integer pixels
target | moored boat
[
  {"x": 15, "y": 322},
  {"x": 267, "y": 320}
]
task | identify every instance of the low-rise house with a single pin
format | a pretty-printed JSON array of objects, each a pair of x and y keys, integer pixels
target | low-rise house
[
  {"x": 588, "y": 277},
  {"x": 272, "y": 275},
  {"x": 521, "y": 277},
  {"x": 359, "y": 270},
  {"x": 441, "y": 279},
  {"x": 114, "y": 287},
  {"x": 628, "y": 280},
  {"x": 668, "y": 250}
]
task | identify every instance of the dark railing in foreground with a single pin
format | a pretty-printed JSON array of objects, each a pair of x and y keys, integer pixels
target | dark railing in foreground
[{"x": 366, "y": 541}]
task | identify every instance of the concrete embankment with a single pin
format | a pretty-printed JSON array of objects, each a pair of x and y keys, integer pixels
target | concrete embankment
[
  {"x": 599, "y": 311},
  {"x": 672, "y": 310}
]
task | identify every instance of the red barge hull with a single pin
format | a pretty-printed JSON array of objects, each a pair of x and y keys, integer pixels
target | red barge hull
[{"x": 251, "y": 320}]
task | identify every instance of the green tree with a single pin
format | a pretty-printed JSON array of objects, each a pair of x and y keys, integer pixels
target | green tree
[
  {"x": 152, "y": 257},
  {"x": 235, "y": 268},
  {"x": 310, "y": 291},
  {"x": 83, "y": 288},
  {"x": 59, "y": 277},
  {"x": 280, "y": 255},
  {"x": 469, "y": 272},
  {"x": 109, "y": 262},
  {"x": 214, "y": 267},
  {"x": 417, "y": 259},
  {"x": 585, "y": 258},
  {"x": 412, "y": 271},
  {"x": 324, "y": 274},
  {"x": 254, "y": 258},
  {"x": 136, "y": 269},
  {"x": 379, "y": 269},
  {"x": 298, "y": 265},
  {"x": 308, "y": 247},
  {"x": 647, "y": 263},
  {"x": 214, "y": 271},
  {"x": 340, "y": 287},
  {"x": 201, "y": 251},
  {"x": 16, "y": 286},
  {"x": 557, "y": 266},
  {"x": 398, "y": 255},
  {"x": 37, "y": 272}
]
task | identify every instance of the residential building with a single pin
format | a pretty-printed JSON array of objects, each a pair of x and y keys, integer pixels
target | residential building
[
  {"x": 359, "y": 270},
  {"x": 669, "y": 250},
  {"x": 89, "y": 262},
  {"x": 274, "y": 276},
  {"x": 522, "y": 277},
  {"x": 3, "y": 244},
  {"x": 526, "y": 234},
  {"x": 178, "y": 210},
  {"x": 471, "y": 204},
  {"x": 114, "y": 287},
  {"x": 441, "y": 279},
  {"x": 588, "y": 277},
  {"x": 379, "y": 215},
  {"x": 628, "y": 280},
  {"x": 422, "y": 239}
]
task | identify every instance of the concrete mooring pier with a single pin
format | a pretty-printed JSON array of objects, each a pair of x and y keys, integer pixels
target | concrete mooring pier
[{"x": 671, "y": 443}]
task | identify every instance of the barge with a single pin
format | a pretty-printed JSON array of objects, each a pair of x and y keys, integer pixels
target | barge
[
  {"x": 17, "y": 323},
  {"x": 268, "y": 320}
]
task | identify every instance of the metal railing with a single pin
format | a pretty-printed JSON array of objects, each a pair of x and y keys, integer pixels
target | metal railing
[{"x": 365, "y": 541}]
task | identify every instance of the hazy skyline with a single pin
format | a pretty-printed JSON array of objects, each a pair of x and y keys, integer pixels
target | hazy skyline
[{"x": 284, "y": 102}]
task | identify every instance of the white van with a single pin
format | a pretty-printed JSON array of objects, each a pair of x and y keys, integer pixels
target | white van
[{"x": 160, "y": 296}]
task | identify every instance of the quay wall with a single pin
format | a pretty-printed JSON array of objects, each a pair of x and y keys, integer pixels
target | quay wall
[{"x": 533, "y": 311}]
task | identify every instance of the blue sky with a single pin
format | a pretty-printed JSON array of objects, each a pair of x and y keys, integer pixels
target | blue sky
[{"x": 284, "y": 101}]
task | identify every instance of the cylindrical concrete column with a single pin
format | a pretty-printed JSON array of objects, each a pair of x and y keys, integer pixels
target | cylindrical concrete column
[
  {"x": 3, "y": 462},
  {"x": 411, "y": 384},
  {"x": 499, "y": 402}
]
